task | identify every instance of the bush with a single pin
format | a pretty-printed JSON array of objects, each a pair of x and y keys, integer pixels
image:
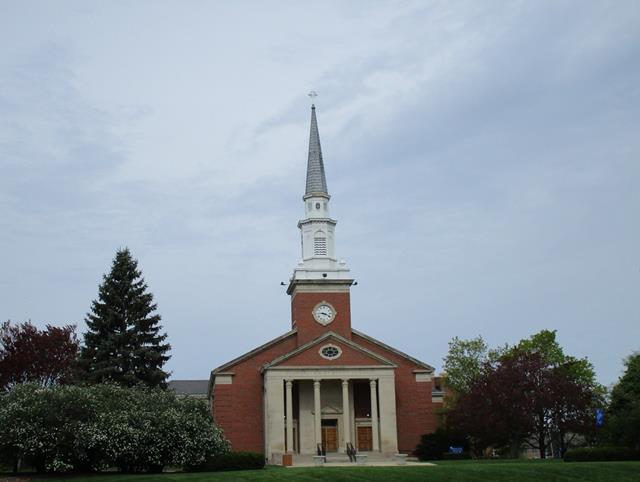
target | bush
[
  {"x": 88, "y": 428},
  {"x": 231, "y": 461},
  {"x": 601, "y": 454},
  {"x": 434, "y": 445}
]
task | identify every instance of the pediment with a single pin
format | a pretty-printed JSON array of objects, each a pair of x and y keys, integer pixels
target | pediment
[
  {"x": 330, "y": 410},
  {"x": 330, "y": 349}
]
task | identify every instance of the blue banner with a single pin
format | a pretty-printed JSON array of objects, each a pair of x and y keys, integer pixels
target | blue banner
[{"x": 599, "y": 417}]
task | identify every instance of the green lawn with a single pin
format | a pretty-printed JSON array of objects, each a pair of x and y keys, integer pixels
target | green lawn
[{"x": 467, "y": 471}]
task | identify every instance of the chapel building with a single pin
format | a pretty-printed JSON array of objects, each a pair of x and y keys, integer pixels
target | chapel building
[{"x": 323, "y": 383}]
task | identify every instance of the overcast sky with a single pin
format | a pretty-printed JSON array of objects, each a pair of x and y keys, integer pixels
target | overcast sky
[{"x": 482, "y": 157}]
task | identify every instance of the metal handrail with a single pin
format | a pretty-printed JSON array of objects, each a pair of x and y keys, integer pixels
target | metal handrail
[{"x": 351, "y": 452}]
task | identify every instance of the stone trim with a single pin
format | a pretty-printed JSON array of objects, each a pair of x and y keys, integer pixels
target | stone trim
[
  {"x": 329, "y": 345},
  {"x": 320, "y": 284},
  {"x": 329, "y": 373},
  {"x": 394, "y": 350},
  {"x": 223, "y": 378},
  {"x": 422, "y": 376},
  {"x": 334, "y": 367}
]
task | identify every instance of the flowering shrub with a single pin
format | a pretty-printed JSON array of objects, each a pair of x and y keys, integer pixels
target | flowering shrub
[{"x": 84, "y": 428}]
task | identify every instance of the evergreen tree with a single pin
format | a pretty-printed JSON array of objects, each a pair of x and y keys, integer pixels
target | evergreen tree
[{"x": 123, "y": 343}]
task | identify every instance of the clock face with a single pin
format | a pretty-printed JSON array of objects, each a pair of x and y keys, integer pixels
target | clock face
[{"x": 324, "y": 313}]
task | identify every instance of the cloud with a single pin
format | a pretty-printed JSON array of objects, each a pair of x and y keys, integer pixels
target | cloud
[{"x": 481, "y": 160}]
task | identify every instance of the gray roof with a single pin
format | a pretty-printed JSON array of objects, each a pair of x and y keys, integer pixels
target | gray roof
[
  {"x": 316, "y": 180},
  {"x": 189, "y": 387}
]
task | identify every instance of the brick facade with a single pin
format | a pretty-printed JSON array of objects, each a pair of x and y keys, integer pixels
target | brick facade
[{"x": 238, "y": 407}]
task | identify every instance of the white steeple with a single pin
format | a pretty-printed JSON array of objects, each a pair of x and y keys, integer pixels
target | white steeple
[{"x": 317, "y": 229}]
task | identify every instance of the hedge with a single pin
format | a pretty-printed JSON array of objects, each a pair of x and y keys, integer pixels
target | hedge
[
  {"x": 231, "y": 461},
  {"x": 434, "y": 445},
  {"x": 601, "y": 454}
]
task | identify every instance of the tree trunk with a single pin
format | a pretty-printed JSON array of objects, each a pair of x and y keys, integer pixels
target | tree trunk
[
  {"x": 562, "y": 443},
  {"x": 514, "y": 449},
  {"x": 542, "y": 447},
  {"x": 541, "y": 434}
]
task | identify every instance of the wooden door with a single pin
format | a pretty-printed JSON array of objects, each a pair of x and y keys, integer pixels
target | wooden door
[
  {"x": 365, "y": 439},
  {"x": 330, "y": 438}
]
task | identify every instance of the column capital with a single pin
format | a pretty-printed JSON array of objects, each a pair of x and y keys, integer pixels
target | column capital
[
  {"x": 373, "y": 382},
  {"x": 345, "y": 381},
  {"x": 289, "y": 383},
  {"x": 316, "y": 382}
]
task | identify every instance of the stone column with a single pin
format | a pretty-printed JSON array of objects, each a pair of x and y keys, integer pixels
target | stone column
[
  {"x": 274, "y": 417},
  {"x": 375, "y": 433},
  {"x": 289, "y": 415},
  {"x": 317, "y": 415},
  {"x": 346, "y": 422},
  {"x": 388, "y": 423}
]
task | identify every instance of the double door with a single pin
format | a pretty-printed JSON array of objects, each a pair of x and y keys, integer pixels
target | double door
[{"x": 330, "y": 436}]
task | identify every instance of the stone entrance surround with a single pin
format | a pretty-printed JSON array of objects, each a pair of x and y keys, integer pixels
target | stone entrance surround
[{"x": 325, "y": 394}]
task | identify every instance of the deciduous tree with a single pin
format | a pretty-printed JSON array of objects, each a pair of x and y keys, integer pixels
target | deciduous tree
[
  {"x": 623, "y": 415},
  {"x": 531, "y": 393},
  {"x": 28, "y": 354},
  {"x": 465, "y": 362},
  {"x": 565, "y": 397},
  {"x": 498, "y": 407}
]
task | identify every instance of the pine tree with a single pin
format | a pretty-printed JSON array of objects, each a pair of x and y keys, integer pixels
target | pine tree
[{"x": 123, "y": 343}]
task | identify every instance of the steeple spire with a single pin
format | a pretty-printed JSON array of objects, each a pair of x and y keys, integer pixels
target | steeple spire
[
  {"x": 317, "y": 229},
  {"x": 316, "y": 180}
]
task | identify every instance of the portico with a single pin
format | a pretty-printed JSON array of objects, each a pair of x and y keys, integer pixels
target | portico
[{"x": 325, "y": 412}]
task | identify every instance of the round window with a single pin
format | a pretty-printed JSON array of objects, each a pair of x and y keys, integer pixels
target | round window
[{"x": 330, "y": 352}]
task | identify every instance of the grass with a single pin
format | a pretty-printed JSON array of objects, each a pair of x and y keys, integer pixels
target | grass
[{"x": 458, "y": 471}]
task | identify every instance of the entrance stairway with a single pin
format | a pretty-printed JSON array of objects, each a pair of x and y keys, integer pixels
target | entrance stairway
[{"x": 340, "y": 458}]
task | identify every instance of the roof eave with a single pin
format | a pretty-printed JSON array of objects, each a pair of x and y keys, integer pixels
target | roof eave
[
  {"x": 256, "y": 350},
  {"x": 394, "y": 350}
]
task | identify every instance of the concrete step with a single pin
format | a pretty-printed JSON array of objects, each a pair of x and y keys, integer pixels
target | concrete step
[{"x": 337, "y": 459}]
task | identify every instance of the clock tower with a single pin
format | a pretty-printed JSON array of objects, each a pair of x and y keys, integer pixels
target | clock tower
[{"x": 320, "y": 284}]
